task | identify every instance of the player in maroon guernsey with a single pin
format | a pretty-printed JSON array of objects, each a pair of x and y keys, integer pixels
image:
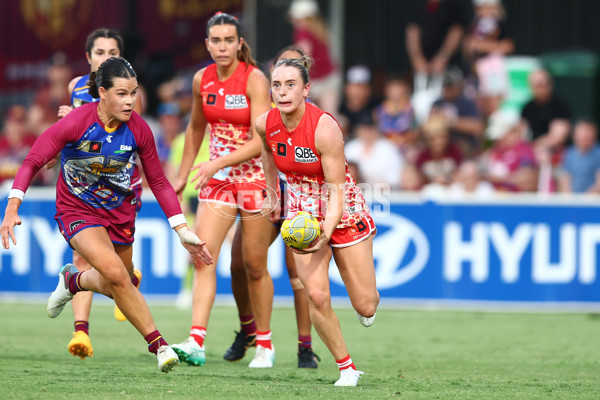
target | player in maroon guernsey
[
  {"x": 306, "y": 144},
  {"x": 95, "y": 204},
  {"x": 228, "y": 95}
]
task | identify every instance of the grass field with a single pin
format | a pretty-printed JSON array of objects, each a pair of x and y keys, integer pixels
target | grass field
[{"x": 408, "y": 354}]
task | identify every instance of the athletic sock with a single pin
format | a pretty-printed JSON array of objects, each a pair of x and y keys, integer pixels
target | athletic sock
[
  {"x": 264, "y": 339},
  {"x": 135, "y": 280},
  {"x": 155, "y": 341},
  {"x": 74, "y": 282},
  {"x": 248, "y": 325},
  {"x": 304, "y": 342},
  {"x": 345, "y": 363},
  {"x": 198, "y": 333},
  {"x": 83, "y": 326}
]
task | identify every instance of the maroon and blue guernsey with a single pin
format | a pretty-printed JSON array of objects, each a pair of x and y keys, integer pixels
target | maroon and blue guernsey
[{"x": 95, "y": 171}]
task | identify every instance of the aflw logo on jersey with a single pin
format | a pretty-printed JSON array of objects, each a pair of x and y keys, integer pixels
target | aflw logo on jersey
[
  {"x": 235, "y": 101},
  {"x": 305, "y": 155}
]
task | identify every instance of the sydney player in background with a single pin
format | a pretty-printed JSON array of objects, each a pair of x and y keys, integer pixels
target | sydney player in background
[
  {"x": 306, "y": 144},
  {"x": 239, "y": 283},
  {"x": 228, "y": 94},
  {"x": 95, "y": 203},
  {"x": 100, "y": 45}
]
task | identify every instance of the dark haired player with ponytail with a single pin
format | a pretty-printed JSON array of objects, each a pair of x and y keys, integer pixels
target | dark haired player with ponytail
[
  {"x": 95, "y": 205},
  {"x": 100, "y": 45},
  {"x": 229, "y": 94}
]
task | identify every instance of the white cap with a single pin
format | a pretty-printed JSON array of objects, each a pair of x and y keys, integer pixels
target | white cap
[
  {"x": 303, "y": 8},
  {"x": 358, "y": 74},
  {"x": 501, "y": 122}
]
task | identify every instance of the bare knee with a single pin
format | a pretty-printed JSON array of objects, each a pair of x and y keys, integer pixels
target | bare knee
[
  {"x": 255, "y": 268},
  {"x": 319, "y": 299},
  {"x": 117, "y": 277},
  {"x": 367, "y": 305}
]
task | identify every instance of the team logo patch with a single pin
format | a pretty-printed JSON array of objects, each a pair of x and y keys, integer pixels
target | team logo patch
[
  {"x": 235, "y": 101},
  {"x": 75, "y": 224},
  {"x": 281, "y": 149},
  {"x": 90, "y": 147},
  {"x": 305, "y": 155},
  {"x": 211, "y": 99},
  {"x": 128, "y": 232}
]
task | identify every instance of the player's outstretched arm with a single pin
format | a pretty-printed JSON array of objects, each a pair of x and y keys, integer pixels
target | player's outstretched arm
[{"x": 193, "y": 244}]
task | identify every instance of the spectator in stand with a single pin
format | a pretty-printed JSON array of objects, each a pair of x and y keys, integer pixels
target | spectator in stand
[
  {"x": 547, "y": 116},
  {"x": 378, "y": 160},
  {"x": 15, "y": 142},
  {"x": 312, "y": 37},
  {"x": 581, "y": 164},
  {"x": 462, "y": 116},
  {"x": 395, "y": 116},
  {"x": 358, "y": 101},
  {"x": 42, "y": 113},
  {"x": 412, "y": 179},
  {"x": 170, "y": 126},
  {"x": 440, "y": 159},
  {"x": 484, "y": 48},
  {"x": 433, "y": 35},
  {"x": 470, "y": 183},
  {"x": 509, "y": 154}
]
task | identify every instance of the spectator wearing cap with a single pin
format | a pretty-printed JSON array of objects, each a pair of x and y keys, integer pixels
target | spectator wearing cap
[
  {"x": 15, "y": 142},
  {"x": 358, "y": 102},
  {"x": 511, "y": 156},
  {"x": 377, "y": 159},
  {"x": 169, "y": 120},
  {"x": 311, "y": 35},
  {"x": 580, "y": 172},
  {"x": 462, "y": 116}
]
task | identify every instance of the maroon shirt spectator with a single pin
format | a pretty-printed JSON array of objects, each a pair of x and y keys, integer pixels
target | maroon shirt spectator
[{"x": 440, "y": 159}]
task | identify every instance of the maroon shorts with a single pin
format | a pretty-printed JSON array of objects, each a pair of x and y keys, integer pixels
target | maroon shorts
[
  {"x": 247, "y": 196},
  {"x": 71, "y": 223}
]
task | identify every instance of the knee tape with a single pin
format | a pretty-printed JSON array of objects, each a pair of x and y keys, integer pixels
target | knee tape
[{"x": 296, "y": 284}]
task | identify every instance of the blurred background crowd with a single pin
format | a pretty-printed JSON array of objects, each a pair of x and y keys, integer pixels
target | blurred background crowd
[{"x": 447, "y": 98}]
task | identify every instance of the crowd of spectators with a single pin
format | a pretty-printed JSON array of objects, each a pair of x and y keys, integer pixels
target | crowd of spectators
[{"x": 463, "y": 144}]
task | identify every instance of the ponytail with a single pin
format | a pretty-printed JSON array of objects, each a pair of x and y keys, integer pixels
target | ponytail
[{"x": 245, "y": 55}]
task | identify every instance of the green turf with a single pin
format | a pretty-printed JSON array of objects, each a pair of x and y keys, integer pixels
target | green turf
[{"x": 412, "y": 354}]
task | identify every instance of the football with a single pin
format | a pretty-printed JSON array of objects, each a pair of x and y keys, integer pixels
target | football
[{"x": 300, "y": 231}]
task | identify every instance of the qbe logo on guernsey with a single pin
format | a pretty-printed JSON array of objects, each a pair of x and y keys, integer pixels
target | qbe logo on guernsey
[
  {"x": 235, "y": 101},
  {"x": 304, "y": 155}
]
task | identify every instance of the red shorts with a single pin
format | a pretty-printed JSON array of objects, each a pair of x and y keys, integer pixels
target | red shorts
[
  {"x": 72, "y": 223},
  {"x": 344, "y": 237},
  {"x": 247, "y": 196}
]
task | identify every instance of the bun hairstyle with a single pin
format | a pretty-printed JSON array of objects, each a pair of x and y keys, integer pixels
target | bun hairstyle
[
  {"x": 288, "y": 48},
  {"x": 103, "y": 33},
  {"x": 302, "y": 64},
  {"x": 221, "y": 18},
  {"x": 114, "y": 67}
]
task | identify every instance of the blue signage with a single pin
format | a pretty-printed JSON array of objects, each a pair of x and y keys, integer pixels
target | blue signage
[{"x": 517, "y": 251}]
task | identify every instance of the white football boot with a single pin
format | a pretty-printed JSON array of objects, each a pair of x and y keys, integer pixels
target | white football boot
[
  {"x": 61, "y": 295},
  {"x": 264, "y": 357},
  {"x": 348, "y": 377},
  {"x": 167, "y": 358}
]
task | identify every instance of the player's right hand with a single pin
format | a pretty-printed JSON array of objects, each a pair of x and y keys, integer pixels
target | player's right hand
[{"x": 271, "y": 207}]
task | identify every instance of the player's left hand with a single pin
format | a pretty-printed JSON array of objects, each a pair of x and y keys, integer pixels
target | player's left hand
[
  {"x": 205, "y": 171},
  {"x": 7, "y": 228},
  {"x": 195, "y": 246},
  {"x": 315, "y": 246}
]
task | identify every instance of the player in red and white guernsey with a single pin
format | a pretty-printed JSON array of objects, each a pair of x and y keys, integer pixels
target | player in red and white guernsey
[
  {"x": 306, "y": 144},
  {"x": 95, "y": 204},
  {"x": 229, "y": 94}
]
